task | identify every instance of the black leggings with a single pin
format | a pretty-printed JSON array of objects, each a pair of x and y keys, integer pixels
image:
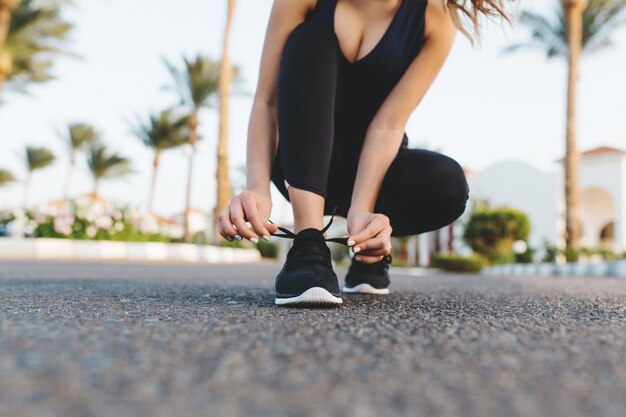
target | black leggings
[{"x": 421, "y": 191}]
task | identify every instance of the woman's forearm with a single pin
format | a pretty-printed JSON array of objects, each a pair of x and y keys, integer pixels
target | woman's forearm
[
  {"x": 261, "y": 146},
  {"x": 380, "y": 147}
]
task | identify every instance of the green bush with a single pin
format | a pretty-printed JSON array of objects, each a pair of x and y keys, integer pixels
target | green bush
[
  {"x": 267, "y": 249},
  {"x": 456, "y": 263},
  {"x": 491, "y": 232},
  {"x": 233, "y": 244},
  {"x": 339, "y": 253},
  {"x": 526, "y": 257},
  {"x": 550, "y": 252},
  {"x": 571, "y": 255}
]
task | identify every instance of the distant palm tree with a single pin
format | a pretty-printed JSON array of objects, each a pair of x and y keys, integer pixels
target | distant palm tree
[
  {"x": 6, "y": 177},
  {"x": 197, "y": 84},
  {"x": 224, "y": 185},
  {"x": 104, "y": 164},
  {"x": 575, "y": 27},
  {"x": 36, "y": 158},
  {"x": 31, "y": 34},
  {"x": 161, "y": 132},
  {"x": 79, "y": 137},
  {"x": 6, "y": 8}
]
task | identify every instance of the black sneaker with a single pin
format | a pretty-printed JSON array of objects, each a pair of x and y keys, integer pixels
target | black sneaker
[
  {"x": 368, "y": 278},
  {"x": 307, "y": 277}
]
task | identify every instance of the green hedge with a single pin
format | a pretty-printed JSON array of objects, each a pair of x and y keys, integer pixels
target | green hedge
[
  {"x": 456, "y": 263},
  {"x": 491, "y": 232}
]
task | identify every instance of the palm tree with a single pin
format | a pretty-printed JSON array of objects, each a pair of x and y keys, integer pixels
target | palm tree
[
  {"x": 576, "y": 27},
  {"x": 6, "y": 9},
  {"x": 161, "y": 132},
  {"x": 31, "y": 34},
  {"x": 224, "y": 186},
  {"x": 6, "y": 177},
  {"x": 197, "y": 84},
  {"x": 104, "y": 164},
  {"x": 36, "y": 158},
  {"x": 79, "y": 137}
]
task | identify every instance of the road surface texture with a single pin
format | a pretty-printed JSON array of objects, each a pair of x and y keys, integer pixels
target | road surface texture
[{"x": 109, "y": 339}]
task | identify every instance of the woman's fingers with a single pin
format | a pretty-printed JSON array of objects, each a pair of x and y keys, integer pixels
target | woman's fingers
[
  {"x": 252, "y": 214},
  {"x": 380, "y": 242},
  {"x": 236, "y": 216},
  {"x": 225, "y": 226},
  {"x": 376, "y": 235},
  {"x": 374, "y": 227}
]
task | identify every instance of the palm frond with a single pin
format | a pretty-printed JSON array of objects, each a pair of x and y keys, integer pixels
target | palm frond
[
  {"x": 105, "y": 164},
  {"x": 6, "y": 177},
  {"x": 38, "y": 158},
  {"x": 196, "y": 81},
  {"x": 546, "y": 33},
  {"x": 600, "y": 20},
  {"x": 162, "y": 131},
  {"x": 549, "y": 33},
  {"x": 36, "y": 36},
  {"x": 80, "y": 135}
]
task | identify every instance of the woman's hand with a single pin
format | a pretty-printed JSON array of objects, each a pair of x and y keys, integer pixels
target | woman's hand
[
  {"x": 370, "y": 235},
  {"x": 252, "y": 206}
]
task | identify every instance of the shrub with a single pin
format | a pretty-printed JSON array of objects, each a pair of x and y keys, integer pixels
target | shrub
[
  {"x": 571, "y": 255},
  {"x": 456, "y": 263},
  {"x": 550, "y": 252},
  {"x": 267, "y": 249},
  {"x": 526, "y": 257},
  {"x": 491, "y": 232},
  {"x": 233, "y": 244}
]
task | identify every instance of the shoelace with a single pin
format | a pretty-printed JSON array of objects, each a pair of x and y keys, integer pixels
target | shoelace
[
  {"x": 343, "y": 240},
  {"x": 291, "y": 235}
]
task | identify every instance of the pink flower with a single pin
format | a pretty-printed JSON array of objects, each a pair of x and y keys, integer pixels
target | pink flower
[{"x": 91, "y": 231}]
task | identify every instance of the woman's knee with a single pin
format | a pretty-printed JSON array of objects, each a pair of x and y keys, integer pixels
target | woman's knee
[
  {"x": 454, "y": 185},
  {"x": 310, "y": 43}
]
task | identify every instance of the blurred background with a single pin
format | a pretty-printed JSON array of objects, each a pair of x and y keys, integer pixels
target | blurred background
[{"x": 113, "y": 121}]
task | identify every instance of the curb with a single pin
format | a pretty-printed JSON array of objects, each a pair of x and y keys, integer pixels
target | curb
[
  {"x": 67, "y": 249},
  {"x": 614, "y": 269}
]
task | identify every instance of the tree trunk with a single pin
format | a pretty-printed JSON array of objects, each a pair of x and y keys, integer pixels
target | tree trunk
[
  {"x": 155, "y": 169},
  {"x": 193, "y": 138},
  {"x": 68, "y": 180},
  {"x": 573, "y": 10},
  {"x": 96, "y": 185},
  {"x": 27, "y": 189},
  {"x": 224, "y": 188}
]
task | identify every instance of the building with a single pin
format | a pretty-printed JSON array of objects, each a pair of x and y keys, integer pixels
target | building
[{"x": 540, "y": 194}]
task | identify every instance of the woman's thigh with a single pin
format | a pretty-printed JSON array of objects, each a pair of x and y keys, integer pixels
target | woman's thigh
[{"x": 422, "y": 191}]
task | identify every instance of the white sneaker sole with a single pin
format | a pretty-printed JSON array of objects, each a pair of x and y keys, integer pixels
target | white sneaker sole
[
  {"x": 312, "y": 296},
  {"x": 365, "y": 289}
]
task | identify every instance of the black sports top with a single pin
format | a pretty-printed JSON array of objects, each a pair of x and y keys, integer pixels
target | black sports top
[{"x": 364, "y": 84}]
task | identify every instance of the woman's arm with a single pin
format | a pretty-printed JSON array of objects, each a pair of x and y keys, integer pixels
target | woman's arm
[
  {"x": 254, "y": 204},
  {"x": 385, "y": 132}
]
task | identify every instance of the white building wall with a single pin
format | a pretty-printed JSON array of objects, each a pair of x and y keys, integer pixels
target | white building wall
[
  {"x": 620, "y": 222},
  {"x": 522, "y": 187},
  {"x": 602, "y": 182}
]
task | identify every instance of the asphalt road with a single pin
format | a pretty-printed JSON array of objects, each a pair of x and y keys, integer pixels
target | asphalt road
[{"x": 87, "y": 339}]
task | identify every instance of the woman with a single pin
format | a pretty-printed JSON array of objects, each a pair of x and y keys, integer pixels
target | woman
[{"x": 338, "y": 82}]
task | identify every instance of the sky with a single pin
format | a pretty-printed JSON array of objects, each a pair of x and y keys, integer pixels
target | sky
[{"x": 484, "y": 107}]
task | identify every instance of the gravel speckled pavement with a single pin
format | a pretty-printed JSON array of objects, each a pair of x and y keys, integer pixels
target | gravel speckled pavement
[{"x": 89, "y": 339}]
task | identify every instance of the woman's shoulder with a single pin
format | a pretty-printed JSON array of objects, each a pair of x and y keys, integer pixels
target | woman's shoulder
[
  {"x": 438, "y": 17},
  {"x": 298, "y": 6}
]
